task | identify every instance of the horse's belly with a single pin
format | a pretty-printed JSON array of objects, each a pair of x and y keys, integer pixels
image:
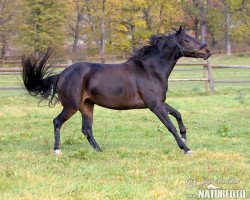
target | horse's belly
[
  {"x": 116, "y": 97},
  {"x": 120, "y": 106}
]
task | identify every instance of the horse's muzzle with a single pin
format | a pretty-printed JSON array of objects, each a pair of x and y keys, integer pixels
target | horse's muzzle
[{"x": 203, "y": 49}]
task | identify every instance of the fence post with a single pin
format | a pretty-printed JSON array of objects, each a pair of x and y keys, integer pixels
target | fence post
[
  {"x": 205, "y": 71},
  {"x": 210, "y": 76}
]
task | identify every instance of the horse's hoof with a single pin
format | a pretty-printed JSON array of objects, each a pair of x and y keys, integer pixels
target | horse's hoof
[
  {"x": 189, "y": 152},
  {"x": 184, "y": 140},
  {"x": 57, "y": 152},
  {"x": 98, "y": 149}
]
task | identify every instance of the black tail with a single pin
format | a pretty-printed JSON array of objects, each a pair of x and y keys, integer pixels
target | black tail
[{"x": 38, "y": 78}]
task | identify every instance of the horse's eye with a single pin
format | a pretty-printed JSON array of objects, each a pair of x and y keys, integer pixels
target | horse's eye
[{"x": 187, "y": 40}]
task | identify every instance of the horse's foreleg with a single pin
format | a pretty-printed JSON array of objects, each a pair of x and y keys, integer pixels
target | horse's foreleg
[
  {"x": 177, "y": 116},
  {"x": 87, "y": 120},
  {"x": 160, "y": 111},
  {"x": 58, "y": 122}
]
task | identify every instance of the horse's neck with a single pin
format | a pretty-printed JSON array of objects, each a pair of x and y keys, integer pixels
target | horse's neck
[
  {"x": 162, "y": 66},
  {"x": 169, "y": 63},
  {"x": 169, "y": 68}
]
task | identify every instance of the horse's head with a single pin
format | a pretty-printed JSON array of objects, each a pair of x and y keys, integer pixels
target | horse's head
[{"x": 189, "y": 46}]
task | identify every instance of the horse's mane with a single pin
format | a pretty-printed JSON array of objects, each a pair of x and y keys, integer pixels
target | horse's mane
[{"x": 155, "y": 46}]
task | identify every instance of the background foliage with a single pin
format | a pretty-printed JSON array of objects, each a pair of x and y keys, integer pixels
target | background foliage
[{"x": 86, "y": 27}]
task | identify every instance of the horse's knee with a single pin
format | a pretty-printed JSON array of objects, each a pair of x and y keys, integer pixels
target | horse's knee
[{"x": 56, "y": 122}]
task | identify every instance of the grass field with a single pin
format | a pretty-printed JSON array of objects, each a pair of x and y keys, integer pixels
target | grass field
[{"x": 140, "y": 160}]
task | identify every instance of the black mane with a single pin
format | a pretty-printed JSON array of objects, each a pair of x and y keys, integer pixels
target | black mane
[{"x": 156, "y": 45}]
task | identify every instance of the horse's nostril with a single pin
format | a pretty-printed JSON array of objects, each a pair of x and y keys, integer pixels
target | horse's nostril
[{"x": 208, "y": 50}]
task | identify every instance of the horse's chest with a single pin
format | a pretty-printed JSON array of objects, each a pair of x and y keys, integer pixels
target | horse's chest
[
  {"x": 154, "y": 88},
  {"x": 159, "y": 86}
]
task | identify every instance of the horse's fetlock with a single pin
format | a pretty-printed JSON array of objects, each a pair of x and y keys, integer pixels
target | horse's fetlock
[{"x": 183, "y": 131}]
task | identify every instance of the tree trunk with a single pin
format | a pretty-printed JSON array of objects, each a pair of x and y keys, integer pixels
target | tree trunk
[
  {"x": 3, "y": 41},
  {"x": 148, "y": 18},
  {"x": 196, "y": 4},
  {"x": 227, "y": 33},
  {"x": 77, "y": 27},
  {"x": 203, "y": 22},
  {"x": 133, "y": 40},
  {"x": 92, "y": 24},
  {"x": 36, "y": 39},
  {"x": 196, "y": 27},
  {"x": 213, "y": 42},
  {"x": 3, "y": 46},
  {"x": 161, "y": 19},
  {"x": 103, "y": 34}
]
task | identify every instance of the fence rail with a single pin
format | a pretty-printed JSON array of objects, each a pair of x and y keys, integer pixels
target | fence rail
[
  {"x": 232, "y": 66},
  {"x": 207, "y": 68}
]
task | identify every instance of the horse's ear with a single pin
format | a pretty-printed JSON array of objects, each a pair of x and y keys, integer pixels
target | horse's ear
[{"x": 181, "y": 31}]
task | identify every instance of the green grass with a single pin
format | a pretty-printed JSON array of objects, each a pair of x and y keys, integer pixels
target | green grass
[
  {"x": 141, "y": 159},
  {"x": 231, "y": 60}
]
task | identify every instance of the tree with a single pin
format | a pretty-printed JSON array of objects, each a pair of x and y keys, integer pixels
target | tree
[
  {"x": 203, "y": 21},
  {"x": 103, "y": 32},
  {"x": 9, "y": 15},
  {"x": 132, "y": 20},
  {"x": 241, "y": 25},
  {"x": 110, "y": 26},
  {"x": 166, "y": 15},
  {"x": 94, "y": 14},
  {"x": 192, "y": 15},
  {"x": 215, "y": 23},
  {"x": 231, "y": 8},
  {"x": 76, "y": 27},
  {"x": 205, "y": 14},
  {"x": 197, "y": 9},
  {"x": 44, "y": 24}
]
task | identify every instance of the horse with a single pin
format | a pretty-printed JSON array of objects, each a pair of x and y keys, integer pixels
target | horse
[{"x": 138, "y": 83}]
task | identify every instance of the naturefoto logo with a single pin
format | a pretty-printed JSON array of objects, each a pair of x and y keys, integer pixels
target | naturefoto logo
[{"x": 212, "y": 189}]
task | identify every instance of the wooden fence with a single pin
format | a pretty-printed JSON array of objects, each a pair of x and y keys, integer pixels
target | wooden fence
[{"x": 8, "y": 68}]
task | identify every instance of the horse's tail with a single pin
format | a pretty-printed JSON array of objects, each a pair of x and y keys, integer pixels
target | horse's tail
[{"x": 38, "y": 78}]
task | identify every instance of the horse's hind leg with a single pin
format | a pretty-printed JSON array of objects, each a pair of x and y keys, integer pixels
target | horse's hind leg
[
  {"x": 87, "y": 120},
  {"x": 58, "y": 122},
  {"x": 177, "y": 116}
]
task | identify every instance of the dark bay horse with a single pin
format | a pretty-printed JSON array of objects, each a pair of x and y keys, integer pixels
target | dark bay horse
[{"x": 140, "y": 82}]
